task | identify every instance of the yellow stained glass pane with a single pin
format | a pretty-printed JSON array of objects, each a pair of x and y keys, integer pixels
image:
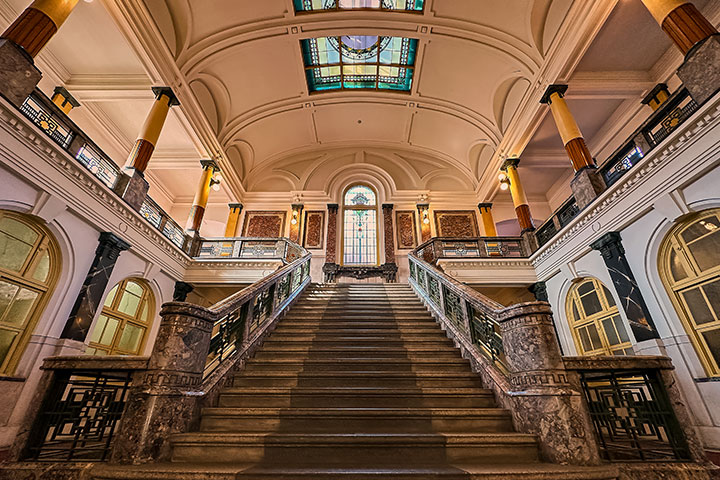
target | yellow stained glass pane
[
  {"x": 111, "y": 296},
  {"x": 7, "y": 293},
  {"x": 13, "y": 252},
  {"x": 18, "y": 230},
  {"x": 7, "y": 338},
  {"x": 129, "y": 303},
  {"x": 21, "y": 308},
  {"x": 131, "y": 338},
  {"x": 359, "y": 69},
  {"x": 41, "y": 269}
]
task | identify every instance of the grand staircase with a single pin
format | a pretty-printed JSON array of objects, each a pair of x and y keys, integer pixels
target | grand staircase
[{"x": 357, "y": 382}]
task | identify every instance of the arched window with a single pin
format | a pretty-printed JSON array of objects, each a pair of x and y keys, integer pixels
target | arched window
[
  {"x": 29, "y": 262},
  {"x": 690, "y": 268},
  {"x": 124, "y": 321},
  {"x": 595, "y": 320},
  {"x": 360, "y": 226}
]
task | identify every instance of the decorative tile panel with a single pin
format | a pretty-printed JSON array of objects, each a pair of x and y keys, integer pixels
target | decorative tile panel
[
  {"x": 264, "y": 224},
  {"x": 314, "y": 229},
  {"x": 406, "y": 231},
  {"x": 456, "y": 223}
]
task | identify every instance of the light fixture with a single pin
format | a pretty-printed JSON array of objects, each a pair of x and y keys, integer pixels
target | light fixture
[
  {"x": 426, "y": 218},
  {"x": 294, "y": 219},
  {"x": 504, "y": 181},
  {"x": 215, "y": 182}
]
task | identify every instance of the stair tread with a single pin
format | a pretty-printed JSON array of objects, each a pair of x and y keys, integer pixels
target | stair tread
[
  {"x": 335, "y": 439},
  {"x": 356, "y": 411}
]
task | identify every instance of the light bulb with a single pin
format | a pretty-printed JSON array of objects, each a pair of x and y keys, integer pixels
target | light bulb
[
  {"x": 426, "y": 220},
  {"x": 216, "y": 186},
  {"x": 294, "y": 221},
  {"x": 504, "y": 186},
  {"x": 502, "y": 177}
]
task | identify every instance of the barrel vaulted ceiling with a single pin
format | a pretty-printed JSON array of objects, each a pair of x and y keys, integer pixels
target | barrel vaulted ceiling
[{"x": 237, "y": 67}]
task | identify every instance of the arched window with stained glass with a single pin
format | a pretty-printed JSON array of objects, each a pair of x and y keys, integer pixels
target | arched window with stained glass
[{"x": 360, "y": 245}]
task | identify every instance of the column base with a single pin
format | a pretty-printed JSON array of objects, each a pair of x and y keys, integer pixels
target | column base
[
  {"x": 700, "y": 73},
  {"x": 18, "y": 74},
  {"x": 132, "y": 187},
  {"x": 586, "y": 186}
]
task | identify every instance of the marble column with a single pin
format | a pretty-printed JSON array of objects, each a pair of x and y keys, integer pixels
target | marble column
[
  {"x": 389, "y": 232},
  {"x": 296, "y": 222},
  {"x": 197, "y": 211},
  {"x": 546, "y": 402},
  {"x": 165, "y": 400},
  {"x": 487, "y": 219},
  {"x": 131, "y": 185},
  {"x": 233, "y": 220},
  {"x": 91, "y": 293},
  {"x": 181, "y": 291},
  {"x": 330, "y": 268},
  {"x": 424, "y": 218},
  {"x": 613, "y": 253},
  {"x": 23, "y": 40},
  {"x": 697, "y": 39},
  {"x": 587, "y": 183}
]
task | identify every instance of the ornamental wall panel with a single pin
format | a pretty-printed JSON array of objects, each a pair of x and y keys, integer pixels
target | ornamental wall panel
[
  {"x": 264, "y": 224},
  {"x": 456, "y": 223},
  {"x": 406, "y": 231},
  {"x": 314, "y": 230}
]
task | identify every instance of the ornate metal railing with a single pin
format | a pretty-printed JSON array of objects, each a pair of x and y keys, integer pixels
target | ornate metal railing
[
  {"x": 63, "y": 131},
  {"x": 471, "y": 314},
  {"x": 477, "y": 247},
  {"x": 249, "y": 247},
  {"x": 671, "y": 114},
  {"x": 631, "y": 404},
  {"x": 630, "y": 408},
  {"x": 241, "y": 315},
  {"x": 82, "y": 407}
]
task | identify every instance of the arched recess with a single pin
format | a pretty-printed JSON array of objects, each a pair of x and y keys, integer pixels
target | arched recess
[
  {"x": 125, "y": 320},
  {"x": 360, "y": 245},
  {"x": 689, "y": 266},
  {"x": 30, "y": 263},
  {"x": 595, "y": 322}
]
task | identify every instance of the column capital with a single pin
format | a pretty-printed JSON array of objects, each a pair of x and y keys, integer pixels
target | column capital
[
  {"x": 60, "y": 90},
  {"x": 659, "y": 89},
  {"x": 233, "y": 206},
  {"x": 111, "y": 244},
  {"x": 510, "y": 162},
  {"x": 423, "y": 206},
  {"x": 609, "y": 245},
  {"x": 208, "y": 163},
  {"x": 167, "y": 91},
  {"x": 297, "y": 206},
  {"x": 387, "y": 206},
  {"x": 332, "y": 207},
  {"x": 485, "y": 205},
  {"x": 558, "y": 88}
]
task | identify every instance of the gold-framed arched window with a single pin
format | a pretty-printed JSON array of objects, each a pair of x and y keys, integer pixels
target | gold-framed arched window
[
  {"x": 689, "y": 265},
  {"x": 125, "y": 319},
  {"x": 360, "y": 221},
  {"x": 595, "y": 320},
  {"x": 29, "y": 267}
]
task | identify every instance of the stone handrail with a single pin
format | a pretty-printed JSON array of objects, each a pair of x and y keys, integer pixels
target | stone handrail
[
  {"x": 234, "y": 248},
  {"x": 515, "y": 351}
]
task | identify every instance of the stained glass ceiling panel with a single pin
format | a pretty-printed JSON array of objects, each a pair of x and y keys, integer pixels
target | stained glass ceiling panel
[
  {"x": 320, "y": 5},
  {"x": 359, "y": 62}
]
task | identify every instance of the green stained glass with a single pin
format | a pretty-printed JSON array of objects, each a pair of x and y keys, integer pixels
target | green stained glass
[
  {"x": 320, "y": 5},
  {"x": 359, "y": 61}
]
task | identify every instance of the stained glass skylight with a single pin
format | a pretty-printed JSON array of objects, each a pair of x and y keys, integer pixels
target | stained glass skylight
[
  {"x": 359, "y": 62},
  {"x": 319, "y": 5}
]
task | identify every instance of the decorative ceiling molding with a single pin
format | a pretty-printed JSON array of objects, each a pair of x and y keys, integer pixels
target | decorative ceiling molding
[
  {"x": 109, "y": 87},
  {"x": 609, "y": 85}
]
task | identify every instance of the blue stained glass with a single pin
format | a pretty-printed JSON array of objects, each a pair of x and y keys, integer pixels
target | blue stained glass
[
  {"x": 359, "y": 61},
  {"x": 320, "y": 5}
]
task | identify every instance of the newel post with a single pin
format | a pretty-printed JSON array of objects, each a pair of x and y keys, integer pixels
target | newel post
[
  {"x": 166, "y": 399},
  {"x": 547, "y": 401}
]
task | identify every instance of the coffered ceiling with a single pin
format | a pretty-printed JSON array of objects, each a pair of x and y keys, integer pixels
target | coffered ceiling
[{"x": 238, "y": 70}]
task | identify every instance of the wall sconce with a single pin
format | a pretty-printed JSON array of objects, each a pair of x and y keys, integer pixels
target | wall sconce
[
  {"x": 426, "y": 217},
  {"x": 504, "y": 181},
  {"x": 215, "y": 182},
  {"x": 294, "y": 219}
]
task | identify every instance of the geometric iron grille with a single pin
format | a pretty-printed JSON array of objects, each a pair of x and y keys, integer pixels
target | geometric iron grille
[
  {"x": 79, "y": 416},
  {"x": 485, "y": 333},
  {"x": 633, "y": 417}
]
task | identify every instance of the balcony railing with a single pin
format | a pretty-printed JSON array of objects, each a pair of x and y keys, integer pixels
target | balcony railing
[
  {"x": 671, "y": 114},
  {"x": 246, "y": 247},
  {"x": 57, "y": 125},
  {"x": 479, "y": 247}
]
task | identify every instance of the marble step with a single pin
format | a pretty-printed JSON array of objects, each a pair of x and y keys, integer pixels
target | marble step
[
  {"x": 297, "y": 325},
  {"x": 357, "y": 379},
  {"x": 340, "y": 354},
  {"x": 357, "y": 397},
  {"x": 357, "y": 420},
  {"x": 357, "y": 364},
  {"x": 356, "y": 342},
  {"x": 354, "y": 449},
  {"x": 365, "y": 336}
]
